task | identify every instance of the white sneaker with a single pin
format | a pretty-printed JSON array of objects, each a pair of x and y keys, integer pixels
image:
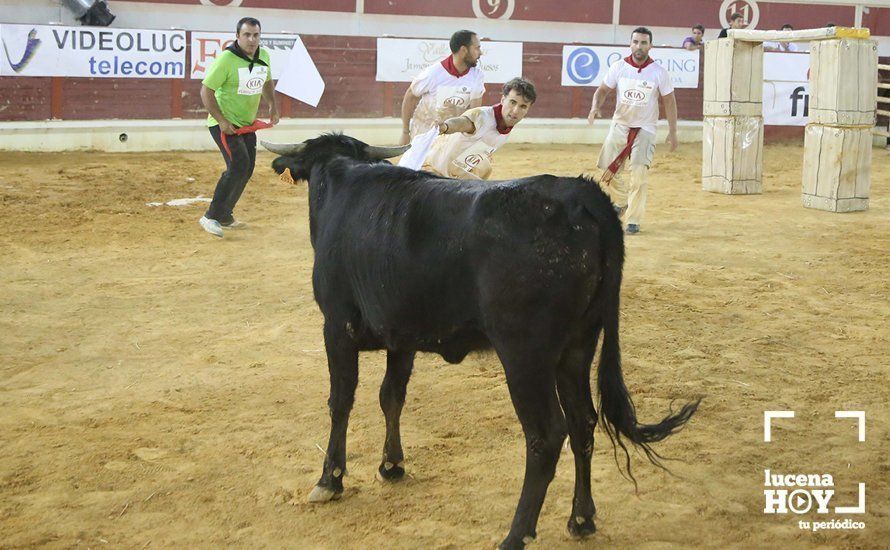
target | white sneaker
[
  {"x": 234, "y": 225},
  {"x": 211, "y": 226}
]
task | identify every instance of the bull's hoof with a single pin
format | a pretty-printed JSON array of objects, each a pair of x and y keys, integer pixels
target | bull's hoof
[
  {"x": 516, "y": 544},
  {"x": 324, "y": 494},
  {"x": 580, "y": 527},
  {"x": 388, "y": 472}
]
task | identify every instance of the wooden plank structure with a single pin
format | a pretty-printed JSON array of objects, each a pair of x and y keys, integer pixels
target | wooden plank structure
[
  {"x": 735, "y": 88},
  {"x": 836, "y": 167},
  {"x": 843, "y": 100},
  {"x": 732, "y": 125},
  {"x": 843, "y": 82},
  {"x": 731, "y": 154}
]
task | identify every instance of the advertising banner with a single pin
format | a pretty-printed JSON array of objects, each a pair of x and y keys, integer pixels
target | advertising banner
[
  {"x": 786, "y": 88},
  {"x": 400, "y": 60},
  {"x": 101, "y": 52},
  {"x": 207, "y": 45},
  {"x": 587, "y": 65}
]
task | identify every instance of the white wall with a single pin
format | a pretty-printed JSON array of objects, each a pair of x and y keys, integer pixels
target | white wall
[{"x": 192, "y": 135}]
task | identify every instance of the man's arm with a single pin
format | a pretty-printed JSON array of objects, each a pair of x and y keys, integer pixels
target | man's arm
[
  {"x": 670, "y": 111},
  {"x": 208, "y": 98},
  {"x": 456, "y": 124},
  {"x": 476, "y": 103},
  {"x": 599, "y": 97},
  {"x": 269, "y": 96},
  {"x": 409, "y": 104}
]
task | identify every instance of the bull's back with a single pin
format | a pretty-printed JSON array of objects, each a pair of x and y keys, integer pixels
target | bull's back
[
  {"x": 423, "y": 263},
  {"x": 538, "y": 245}
]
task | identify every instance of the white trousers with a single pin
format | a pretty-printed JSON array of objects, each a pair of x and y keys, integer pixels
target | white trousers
[{"x": 628, "y": 186}]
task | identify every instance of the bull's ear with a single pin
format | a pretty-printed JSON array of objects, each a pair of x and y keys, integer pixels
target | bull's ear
[
  {"x": 380, "y": 153},
  {"x": 286, "y": 168},
  {"x": 283, "y": 148},
  {"x": 281, "y": 164}
]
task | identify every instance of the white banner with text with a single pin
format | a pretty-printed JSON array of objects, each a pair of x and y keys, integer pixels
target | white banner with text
[
  {"x": 400, "y": 60},
  {"x": 100, "y": 52}
]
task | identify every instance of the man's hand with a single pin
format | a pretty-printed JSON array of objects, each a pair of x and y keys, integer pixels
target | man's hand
[
  {"x": 442, "y": 127},
  {"x": 593, "y": 114},
  {"x": 406, "y": 137},
  {"x": 226, "y": 127},
  {"x": 274, "y": 117},
  {"x": 672, "y": 140}
]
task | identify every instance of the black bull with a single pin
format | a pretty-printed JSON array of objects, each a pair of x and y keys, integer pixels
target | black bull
[{"x": 407, "y": 261}]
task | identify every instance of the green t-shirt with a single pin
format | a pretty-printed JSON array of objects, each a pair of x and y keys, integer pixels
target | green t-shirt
[{"x": 237, "y": 89}]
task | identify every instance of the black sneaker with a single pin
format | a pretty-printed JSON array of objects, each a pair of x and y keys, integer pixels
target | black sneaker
[{"x": 632, "y": 229}]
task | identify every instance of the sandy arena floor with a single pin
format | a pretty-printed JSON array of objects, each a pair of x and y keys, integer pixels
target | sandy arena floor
[{"x": 163, "y": 388}]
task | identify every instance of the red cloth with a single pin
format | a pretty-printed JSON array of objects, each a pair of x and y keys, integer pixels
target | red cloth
[
  {"x": 616, "y": 165},
  {"x": 448, "y": 63},
  {"x": 256, "y": 125},
  {"x": 630, "y": 60},
  {"x": 499, "y": 119}
]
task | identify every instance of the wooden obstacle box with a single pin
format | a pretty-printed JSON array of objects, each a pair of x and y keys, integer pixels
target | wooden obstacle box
[
  {"x": 733, "y": 83},
  {"x": 731, "y": 154},
  {"x": 837, "y": 146},
  {"x": 732, "y": 127},
  {"x": 843, "y": 82},
  {"x": 836, "y": 168},
  {"x": 842, "y": 108}
]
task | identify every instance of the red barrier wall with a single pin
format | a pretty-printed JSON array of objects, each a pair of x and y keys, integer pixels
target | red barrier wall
[{"x": 347, "y": 64}]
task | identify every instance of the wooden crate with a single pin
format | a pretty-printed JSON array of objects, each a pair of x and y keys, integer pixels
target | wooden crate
[
  {"x": 732, "y": 155},
  {"x": 843, "y": 82},
  {"x": 836, "y": 168},
  {"x": 733, "y": 82}
]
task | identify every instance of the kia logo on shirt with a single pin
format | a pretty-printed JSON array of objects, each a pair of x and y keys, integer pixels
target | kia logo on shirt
[
  {"x": 634, "y": 95},
  {"x": 473, "y": 161},
  {"x": 454, "y": 101},
  {"x": 255, "y": 83}
]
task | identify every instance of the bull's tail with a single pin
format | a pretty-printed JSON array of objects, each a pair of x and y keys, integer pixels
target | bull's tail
[{"x": 617, "y": 412}]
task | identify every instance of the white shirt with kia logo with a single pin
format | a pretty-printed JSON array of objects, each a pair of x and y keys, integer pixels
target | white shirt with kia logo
[
  {"x": 636, "y": 104},
  {"x": 251, "y": 82},
  {"x": 443, "y": 95},
  {"x": 461, "y": 147}
]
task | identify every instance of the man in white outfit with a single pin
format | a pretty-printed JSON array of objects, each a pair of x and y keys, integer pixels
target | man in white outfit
[
  {"x": 444, "y": 89},
  {"x": 639, "y": 81},
  {"x": 467, "y": 142}
]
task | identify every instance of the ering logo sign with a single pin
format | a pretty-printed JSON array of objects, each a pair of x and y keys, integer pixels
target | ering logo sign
[
  {"x": 805, "y": 493},
  {"x": 583, "y": 65}
]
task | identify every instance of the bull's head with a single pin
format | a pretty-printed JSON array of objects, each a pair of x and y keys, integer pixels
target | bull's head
[{"x": 300, "y": 157}]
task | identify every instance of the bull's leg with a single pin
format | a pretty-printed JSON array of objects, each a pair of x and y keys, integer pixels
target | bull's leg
[
  {"x": 533, "y": 391},
  {"x": 392, "y": 398},
  {"x": 573, "y": 385},
  {"x": 343, "y": 368}
]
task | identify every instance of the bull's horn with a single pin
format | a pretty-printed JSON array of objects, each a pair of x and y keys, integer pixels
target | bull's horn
[
  {"x": 283, "y": 148},
  {"x": 380, "y": 153}
]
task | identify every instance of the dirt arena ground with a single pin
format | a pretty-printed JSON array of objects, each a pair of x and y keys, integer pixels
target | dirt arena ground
[{"x": 163, "y": 388}]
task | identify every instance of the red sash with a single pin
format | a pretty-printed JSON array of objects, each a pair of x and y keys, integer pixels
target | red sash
[
  {"x": 616, "y": 165},
  {"x": 256, "y": 125}
]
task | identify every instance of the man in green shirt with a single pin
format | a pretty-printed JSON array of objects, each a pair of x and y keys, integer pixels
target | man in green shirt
[{"x": 231, "y": 92}]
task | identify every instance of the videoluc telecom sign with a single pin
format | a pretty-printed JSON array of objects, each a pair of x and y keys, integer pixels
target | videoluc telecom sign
[{"x": 98, "y": 52}]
